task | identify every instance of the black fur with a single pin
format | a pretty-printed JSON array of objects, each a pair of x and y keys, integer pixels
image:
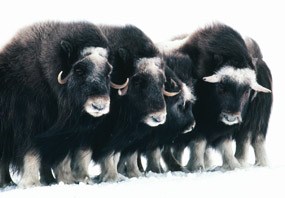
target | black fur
[
  {"x": 179, "y": 109},
  {"x": 212, "y": 48},
  {"x": 129, "y": 47},
  {"x": 254, "y": 127},
  {"x": 31, "y": 99}
]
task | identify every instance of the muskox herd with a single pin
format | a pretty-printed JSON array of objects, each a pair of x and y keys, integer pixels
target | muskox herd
[{"x": 75, "y": 92}]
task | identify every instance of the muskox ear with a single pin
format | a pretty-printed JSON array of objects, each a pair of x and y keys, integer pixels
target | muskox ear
[{"x": 66, "y": 48}]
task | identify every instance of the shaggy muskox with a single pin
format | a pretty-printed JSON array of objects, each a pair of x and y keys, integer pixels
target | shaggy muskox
[
  {"x": 137, "y": 100},
  {"x": 253, "y": 130},
  {"x": 179, "y": 116},
  {"x": 227, "y": 85},
  {"x": 50, "y": 74}
]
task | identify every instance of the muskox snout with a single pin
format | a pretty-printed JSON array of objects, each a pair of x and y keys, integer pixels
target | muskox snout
[
  {"x": 230, "y": 118},
  {"x": 190, "y": 128},
  {"x": 155, "y": 119},
  {"x": 97, "y": 106}
]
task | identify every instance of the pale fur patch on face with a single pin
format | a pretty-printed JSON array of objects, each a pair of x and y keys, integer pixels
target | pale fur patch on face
[
  {"x": 155, "y": 119},
  {"x": 98, "y": 55},
  {"x": 187, "y": 93},
  {"x": 97, "y": 101},
  {"x": 241, "y": 76},
  {"x": 150, "y": 65}
]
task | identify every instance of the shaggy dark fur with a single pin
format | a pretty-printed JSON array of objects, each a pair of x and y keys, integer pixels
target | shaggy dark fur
[
  {"x": 254, "y": 127},
  {"x": 211, "y": 49},
  {"x": 31, "y": 98}
]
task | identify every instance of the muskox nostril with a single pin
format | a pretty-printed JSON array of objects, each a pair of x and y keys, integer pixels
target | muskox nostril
[
  {"x": 230, "y": 117},
  {"x": 99, "y": 106},
  {"x": 158, "y": 118}
]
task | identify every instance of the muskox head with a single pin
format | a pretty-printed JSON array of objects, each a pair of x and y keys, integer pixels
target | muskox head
[
  {"x": 233, "y": 88},
  {"x": 179, "y": 77},
  {"x": 86, "y": 78},
  {"x": 180, "y": 118},
  {"x": 145, "y": 91}
]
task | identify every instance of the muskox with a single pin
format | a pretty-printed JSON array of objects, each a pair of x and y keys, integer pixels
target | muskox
[
  {"x": 253, "y": 130},
  {"x": 227, "y": 85},
  {"x": 179, "y": 119},
  {"x": 50, "y": 74},
  {"x": 137, "y": 99}
]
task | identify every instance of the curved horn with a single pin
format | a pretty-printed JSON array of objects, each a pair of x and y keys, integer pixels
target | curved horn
[
  {"x": 170, "y": 94},
  {"x": 212, "y": 79},
  {"x": 257, "y": 87},
  {"x": 62, "y": 81},
  {"x": 116, "y": 86}
]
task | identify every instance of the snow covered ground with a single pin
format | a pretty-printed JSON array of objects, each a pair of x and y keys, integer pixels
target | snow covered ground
[{"x": 262, "y": 20}]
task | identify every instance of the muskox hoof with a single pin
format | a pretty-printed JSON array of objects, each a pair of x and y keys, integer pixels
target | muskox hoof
[
  {"x": 261, "y": 163},
  {"x": 243, "y": 163},
  {"x": 6, "y": 184},
  {"x": 28, "y": 184},
  {"x": 196, "y": 167},
  {"x": 133, "y": 173},
  {"x": 111, "y": 178}
]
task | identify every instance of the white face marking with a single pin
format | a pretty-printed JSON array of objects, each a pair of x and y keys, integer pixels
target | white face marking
[
  {"x": 150, "y": 65},
  {"x": 187, "y": 93},
  {"x": 225, "y": 121},
  {"x": 189, "y": 129},
  {"x": 171, "y": 46},
  {"x": 245, "y": 76},
  {"x": 155, "y": 119},
  {"x": 241, "y": 76},
  {"x": 98, "y": 55},
  {"x": 97, "y": 106}
]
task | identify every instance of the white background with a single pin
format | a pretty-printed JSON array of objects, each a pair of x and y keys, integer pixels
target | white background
[{"x": 160, "y": 20}]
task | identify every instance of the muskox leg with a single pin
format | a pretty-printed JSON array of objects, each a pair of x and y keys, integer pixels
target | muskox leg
[
  {"x": 170, "y": 160},
  {"x": 109, "y": 171},
  {"x": 132, "y": 169},
  {"x": 226, "y": 150},
  {"x": 63, "y": 172},
  {"x": 178, "y": 152},
  {"x": 80, "y": 166},
  {"x": 208, "y": 162},
  {"x": 5, "y": 178},
  {"x": 153, "y": 161},
  {"x": 197, "y": 151},
  {"x": 30, "y": 170},
  {"x": 258, "y": 144},
  {"x": 242, "y": 149}
]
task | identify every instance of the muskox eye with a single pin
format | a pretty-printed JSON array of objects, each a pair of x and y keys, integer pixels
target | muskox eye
[
  {"x": 79, "y": 71},
  {"x": 246, "y": 93}
]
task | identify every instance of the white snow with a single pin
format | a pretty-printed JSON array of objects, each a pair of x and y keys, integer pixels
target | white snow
[{"x": 261, "y": 20}]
